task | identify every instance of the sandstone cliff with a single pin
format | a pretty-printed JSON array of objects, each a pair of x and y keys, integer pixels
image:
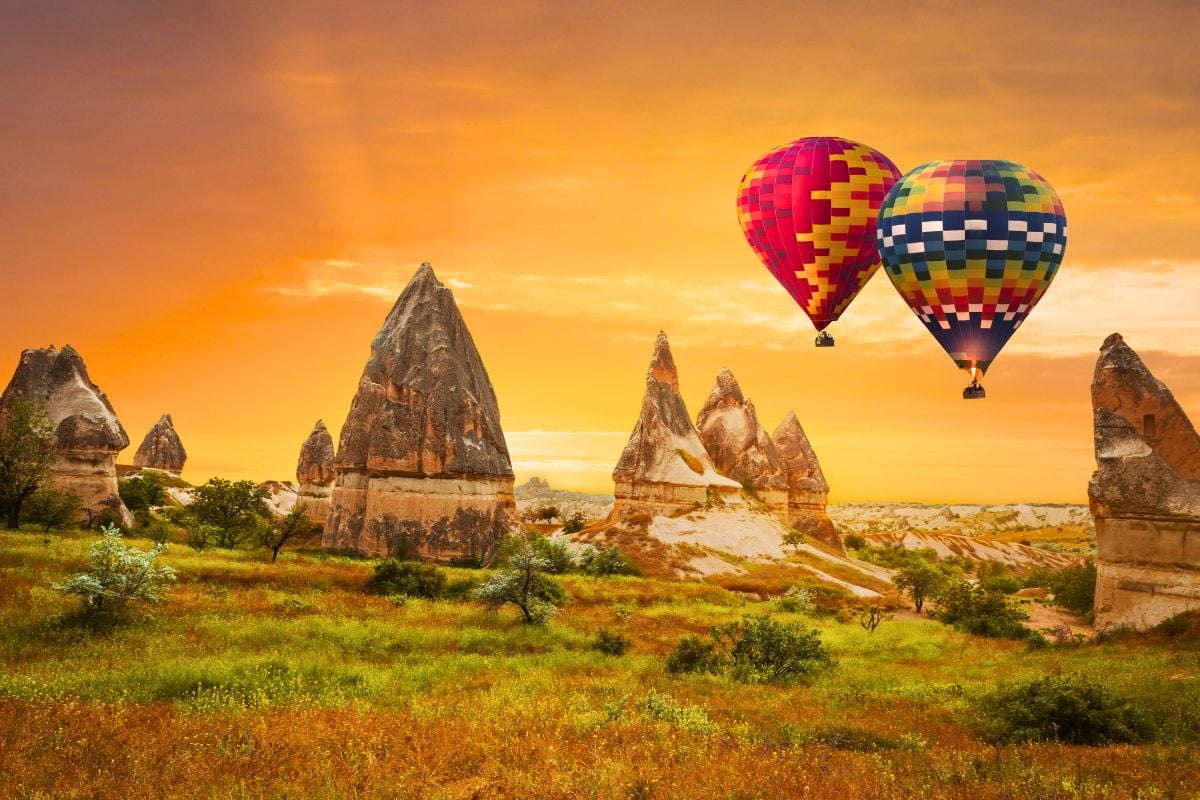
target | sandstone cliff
[
  {"x": 807, "y": 490},
  {"x": 422, "y": 464},
  {"x": 87, "y": 432},
  {"x": 1144, "y": 495},
  {"x": 162, "y": 448},
  {"x": 664, "y": 467},
  {"x": 314, "y": 473}
]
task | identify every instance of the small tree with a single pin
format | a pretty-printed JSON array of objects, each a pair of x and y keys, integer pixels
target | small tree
[
  {"x": 793, "y": 539},
  {"x": 275, "y": 534},
  {"x": 762, "y": 650},
  {"x": 524, "y": 584},
  {"x": 51, "y": 510},
  {"x": 574, "y": 523},
  {"x": 920, "y": 580},
  {"x": 979, "y": 612},
  {"x": 27, "y": 450},
  {"x": 548, "y": 513},
  {"x": 873, "y": 616},
  {"x": 142, "y": 491},
  {"x": 118, "y": 575},
  {"x": 233, "y": 508}
]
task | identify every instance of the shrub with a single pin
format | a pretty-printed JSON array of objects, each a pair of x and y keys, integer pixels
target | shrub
[
  {"x": 611, "y": 643},
  {"x": 1074, "y": 587},
  {"x": 1072, "y": 709},
  {"x": 979, "y": 612},
  {"x": 407, "y": 578},
  {"x": 50, "y": 509},
  {"x": 460, "y": 589},
  {"x": 523, "y": 583},
  {"x": 156, "y": 529},
  {"x": 1004, "y": 584},
  {"x": 574, "y": 523},
  {"x": 762, "y": 650},
  {"x": 796, "y": 600},
  {"x": 235, "y": 509},
  {"x": 666, "y": 709},
  {"x": 854, "y": 541},
  {"x": 142, "y": 491},
  {"x": 1185, "y": 625},
  {"x": 118, "y": 575},
  {"x": 693, "y": 654},
  {"x": 602, "y": 561},
  {"x": 920, "y": 580}
]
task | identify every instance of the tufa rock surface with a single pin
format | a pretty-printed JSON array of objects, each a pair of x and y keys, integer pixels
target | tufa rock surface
[
  {"x": 314, "y": 473},
  {"x": 738, "y": 445},
  {"x": 1144, "y": 495},
  {"x": 161, "y": 449},
  {"x": 807, "y": 490},
  {"x": 87, "y": 432},
  {"x": 665, "y": 468},
  {"x": 422, "y": 466}
]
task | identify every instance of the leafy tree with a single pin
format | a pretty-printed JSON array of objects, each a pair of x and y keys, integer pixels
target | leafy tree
[
  {"x": 854, "y": 541},
  {"x": 793, "y": 539},
  {"x": 142, "y": 491},
  {"x": 920, "y": 580},
  {"x": 50, "y": 509},
  {"x": 574, "y": 523},
  {"x": 523, "y": 583},
  {"x": 200, "y": 536},
  {"x": 275, "y": 534},
  {"x": 548, "y": 513},
  {"x": 408, "y": 579},
  {"x": 118, "y": 575},
  {"x": 27, "y": 451},
  {"x": 233, "y": 508},
  {"x": 1074, "y": 587},
  {"x": 979, "y": 612}
]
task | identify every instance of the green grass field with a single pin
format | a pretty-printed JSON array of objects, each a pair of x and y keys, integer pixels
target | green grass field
[{"x": 286, "y": 680}]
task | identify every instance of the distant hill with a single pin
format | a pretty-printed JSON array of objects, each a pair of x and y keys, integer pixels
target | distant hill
[{"x": 536, "y": 492}]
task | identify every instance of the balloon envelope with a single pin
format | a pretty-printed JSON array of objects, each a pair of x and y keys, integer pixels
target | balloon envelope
[
  {"x": 972, "y": 246},
  {"x": 809, "y": 211}
]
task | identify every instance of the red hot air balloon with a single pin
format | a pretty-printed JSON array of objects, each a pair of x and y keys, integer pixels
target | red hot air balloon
[{"x": 809, "y": 209}]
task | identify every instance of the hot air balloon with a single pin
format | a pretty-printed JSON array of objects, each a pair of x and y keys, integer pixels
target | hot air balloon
[
  {"x": 972, "y": 246},
  {"x": 808, "y": 209}
]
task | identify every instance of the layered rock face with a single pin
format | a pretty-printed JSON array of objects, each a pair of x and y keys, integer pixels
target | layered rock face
[
  {"x": 314, "y": 474},
  {"x": 87, "y": 432},
  {"x": 161, "y": 449},
  {"x": 664, "y": 468},
  {"x": 807, "y": 490},
  {"x": 1144, "y": 495},
  {"x": 739, "y": 446},
  {"x": 422, "y": 465}
]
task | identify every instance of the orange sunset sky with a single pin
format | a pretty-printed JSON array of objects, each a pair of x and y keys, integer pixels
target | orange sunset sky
[{"x": 216, "y": 203}]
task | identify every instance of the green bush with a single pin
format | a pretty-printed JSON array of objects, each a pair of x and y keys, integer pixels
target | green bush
[
  {"x": 1185, "y": 625},
  {"x": 1004, "y": 584},
  {"x": 574, "y": 523},
  {"x": 50, "y": 509},
  {"x": 407, "y": 578},
  {"x": 460, "y": 589},
  {"x": 854, "y": 541},
  {"x": 1073, "y": 709},
  {"x": 602, "y": 561},
  {"x": 693, "y": 654},
  {"x": 611, "y": 643},
  {"x": 1074, "y": 587},
  {"x": 142, "y": 491},
  {"x": 118, "y": 576},
  {"x": 980, "y": 612},
  {"x": 762, "y": 650}
]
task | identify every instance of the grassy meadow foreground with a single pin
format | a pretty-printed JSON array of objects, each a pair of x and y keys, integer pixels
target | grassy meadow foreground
[{"x": 287, "y": 681}]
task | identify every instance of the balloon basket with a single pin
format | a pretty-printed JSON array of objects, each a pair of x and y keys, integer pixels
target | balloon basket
[
  {"x": 824, "y": 340},
  {"x": 974, "y": 392}
]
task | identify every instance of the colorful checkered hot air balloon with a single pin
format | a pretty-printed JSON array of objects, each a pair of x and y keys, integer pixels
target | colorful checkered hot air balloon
[
  {"x": 808, "y": 209},
  {"x": 972, "y": 246}
]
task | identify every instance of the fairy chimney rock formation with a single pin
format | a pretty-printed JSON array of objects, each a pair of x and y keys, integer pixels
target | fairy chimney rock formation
[
  {"x": 664, "y": 467},
  {"x": 807, "y": 490},
  {"x": 422, "y": 466},
  {"x": 314, "y": 474},
  {"x": 739, "y": 446},
  {"x": 1144, "y": 495},
  {"x": 87, "y": 433},
  {"x": 161, "y": 449}
]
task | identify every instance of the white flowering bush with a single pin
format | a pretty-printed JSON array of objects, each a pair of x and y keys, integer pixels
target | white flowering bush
[{"x": 118, "y": 575}]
